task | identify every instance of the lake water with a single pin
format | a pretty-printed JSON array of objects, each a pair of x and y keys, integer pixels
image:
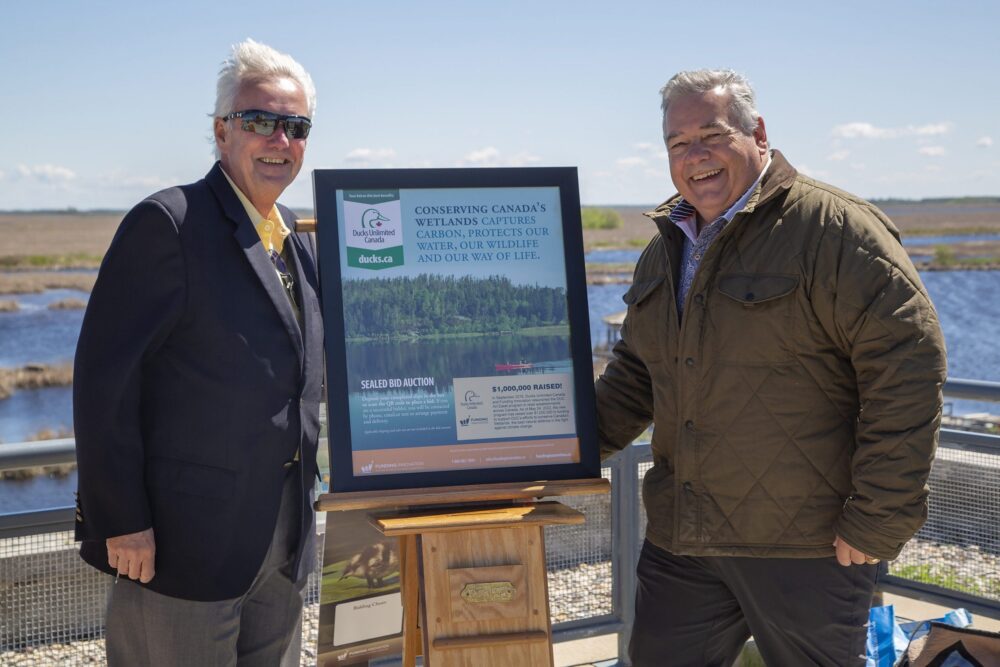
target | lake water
[
  {"x": 929, "y": 208},
  {"x": 917, "y": 241},
  {"x": 28, "y": 412},
  {"x": 966, "y": 301},
  {"x": 35, "y": 334}
]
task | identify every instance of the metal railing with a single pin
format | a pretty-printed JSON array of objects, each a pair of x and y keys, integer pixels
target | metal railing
[{"x": 48, "y": 596}]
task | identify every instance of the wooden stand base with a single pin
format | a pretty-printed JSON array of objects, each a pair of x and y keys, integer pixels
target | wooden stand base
[
  {"x": 473, "y": 578},
  {"x": 480, "y": 583}
]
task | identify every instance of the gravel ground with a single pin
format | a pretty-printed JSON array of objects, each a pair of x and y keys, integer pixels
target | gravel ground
[
  {"x": 574, "y": 593},
  {"x": 584, "y": 591},
  {"x": 968, "y": 569},
  {"x": 580, "y": 592}
]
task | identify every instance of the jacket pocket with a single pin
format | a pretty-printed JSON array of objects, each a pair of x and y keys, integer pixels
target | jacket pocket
[
  {"x": 646, "y": 320},
  {"x": 638, "y": 292},
  {"x": 752, "y": 320},
  {"x": 191, "y": 478},
  {"x": 753, "y": 288}
]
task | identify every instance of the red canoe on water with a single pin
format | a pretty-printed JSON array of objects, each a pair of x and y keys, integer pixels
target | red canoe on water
[{"x": 513, "y": 367}]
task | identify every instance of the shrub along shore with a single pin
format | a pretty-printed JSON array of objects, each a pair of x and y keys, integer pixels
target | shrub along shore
[
  {"x": 36, "y": 282},
  {"x": 34, "y": 376}
]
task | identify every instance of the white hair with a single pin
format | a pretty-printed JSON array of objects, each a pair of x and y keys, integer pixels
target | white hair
[
  {"x": 743, "y": 108},
  {"x": 253, "y": 62}
]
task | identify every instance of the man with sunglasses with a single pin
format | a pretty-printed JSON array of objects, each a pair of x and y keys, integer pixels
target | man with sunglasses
[
  {"x": 781, "y": 341},
  {"x": 196, "y": 397}
]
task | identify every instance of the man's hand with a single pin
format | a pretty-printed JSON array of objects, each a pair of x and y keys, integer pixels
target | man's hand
[
  {"x": 848, "y": 555},
  {"x": 133, "y": 555}
]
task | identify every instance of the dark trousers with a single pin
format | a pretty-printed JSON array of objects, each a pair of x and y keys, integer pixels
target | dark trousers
[{"x": 698, "y": 612}]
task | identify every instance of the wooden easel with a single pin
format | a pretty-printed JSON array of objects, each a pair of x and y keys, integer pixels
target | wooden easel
[{"x": 472, "y": 567}]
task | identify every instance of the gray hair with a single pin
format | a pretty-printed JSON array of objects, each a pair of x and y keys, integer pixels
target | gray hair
[
  {"x": 253, "y": 62},
  {"x": 743, "y": 109}
]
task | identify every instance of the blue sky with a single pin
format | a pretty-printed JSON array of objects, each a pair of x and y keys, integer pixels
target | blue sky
[{"x": 107, "y": 101}]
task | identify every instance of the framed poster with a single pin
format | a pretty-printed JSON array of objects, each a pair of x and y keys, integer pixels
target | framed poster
[{"x": 457, "y": 337}]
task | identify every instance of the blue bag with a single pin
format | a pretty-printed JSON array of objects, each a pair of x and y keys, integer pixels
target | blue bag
[{"x": 887, "y": 639}]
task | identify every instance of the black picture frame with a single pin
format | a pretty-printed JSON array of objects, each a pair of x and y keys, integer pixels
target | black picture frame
[{"x": 326, "y": 184}]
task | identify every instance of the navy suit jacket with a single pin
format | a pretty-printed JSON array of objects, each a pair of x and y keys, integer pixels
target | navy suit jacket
[{"x": 194, "y": 386}]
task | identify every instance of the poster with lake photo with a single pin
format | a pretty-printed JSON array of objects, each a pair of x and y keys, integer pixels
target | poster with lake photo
[{"x": 458, "y": 340}]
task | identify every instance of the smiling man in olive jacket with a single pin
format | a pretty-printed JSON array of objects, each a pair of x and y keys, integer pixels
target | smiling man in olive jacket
[{"x": 781, "y": 342}]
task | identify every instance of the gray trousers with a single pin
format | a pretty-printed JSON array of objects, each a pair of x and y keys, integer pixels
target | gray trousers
[{"x": 263, "y": 628}]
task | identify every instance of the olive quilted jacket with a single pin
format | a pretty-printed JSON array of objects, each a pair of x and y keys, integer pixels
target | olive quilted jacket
[{"x": 799, "y": 397}]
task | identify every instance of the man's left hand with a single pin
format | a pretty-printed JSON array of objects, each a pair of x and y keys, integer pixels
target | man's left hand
[
  {"x": 133, "y": 555},
  {"x": 848, "y": 555}
]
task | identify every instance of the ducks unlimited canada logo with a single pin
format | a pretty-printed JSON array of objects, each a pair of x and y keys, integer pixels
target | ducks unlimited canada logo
[{"x": 374, "y": 229}]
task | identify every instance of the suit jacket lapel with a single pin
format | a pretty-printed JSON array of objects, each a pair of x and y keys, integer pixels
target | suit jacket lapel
[
  {"x": 249, "y": 240},
  {"x": 304, "y": 275}
]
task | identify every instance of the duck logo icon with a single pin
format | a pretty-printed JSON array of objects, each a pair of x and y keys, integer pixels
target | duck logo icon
[{"x": 372, "y": 219}]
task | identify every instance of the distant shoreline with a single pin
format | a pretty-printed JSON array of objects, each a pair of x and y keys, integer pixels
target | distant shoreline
[
  {"x": 43, "y": 250},
  {"x": 971, "y": 200}
]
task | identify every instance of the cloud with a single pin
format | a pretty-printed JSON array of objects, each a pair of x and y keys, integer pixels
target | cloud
[
  {"x": 983, "y": 175},
  {"x": 931, "y": 130},
  {"x": 984, "y": 142},
  {"x": 119, "y": 180},
  {"x": 652, "y": 151},
  {"x": 46, "y": 173},
  {"x": 368, "y": 155},
  {"x": 932, "y": 151},
  {"x": 836, "y": 156},
  {"x": 861, "y": 130},
  {"x": 523, "y": 159},
  {"x": 855, "y": 130},
  {"x": 482, "y": 156},
  {"x": 813, "y": 173},
  {"x": 632, "y": 161},
  {"x": 490, "y": 156},
  {"x": 648, "y": 154}
]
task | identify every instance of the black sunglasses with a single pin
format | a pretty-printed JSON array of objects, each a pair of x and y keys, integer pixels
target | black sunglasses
[{"x": 264, "y": 122}]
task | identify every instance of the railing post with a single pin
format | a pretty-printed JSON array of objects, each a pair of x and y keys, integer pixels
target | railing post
[{"x": 625, "y": 536}]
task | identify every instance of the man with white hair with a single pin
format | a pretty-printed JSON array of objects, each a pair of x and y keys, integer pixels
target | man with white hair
[
  {"x": 196, "y": 396},
  {"x": 781, "y": 342}
]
